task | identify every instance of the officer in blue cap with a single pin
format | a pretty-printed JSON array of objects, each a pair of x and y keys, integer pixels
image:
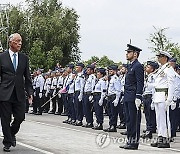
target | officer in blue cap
[
  {"x": 88, "y": 96},
  {"x": 78, "y": 95},
  {"x": 133, "y": 91},
  {"x": 113, "y": 96},
  {"x": 99, "y": 93},
  {"x": 149, "y": 111}
]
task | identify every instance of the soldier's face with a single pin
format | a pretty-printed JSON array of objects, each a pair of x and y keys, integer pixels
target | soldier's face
[
  {"x": 89, "y": 71},
  {"x": 111, "y": 72},
  {"x": 99, "y": 75},
  {"x": 149, "y": 69},
  {"x": 129, "y": 55},
  {"x": 78, "y": 68}
]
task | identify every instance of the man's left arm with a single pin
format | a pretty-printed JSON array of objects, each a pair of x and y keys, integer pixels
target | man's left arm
[{"x": 139, "y": 73}]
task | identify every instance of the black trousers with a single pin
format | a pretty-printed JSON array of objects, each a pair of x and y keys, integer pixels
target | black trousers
[{"x": 7, "y": 109}]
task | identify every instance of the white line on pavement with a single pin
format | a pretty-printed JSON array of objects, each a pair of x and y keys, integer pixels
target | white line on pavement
[{"x": 32, "y": 148}]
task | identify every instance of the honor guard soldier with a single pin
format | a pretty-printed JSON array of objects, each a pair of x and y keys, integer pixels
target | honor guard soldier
[
  {"x": 113, "y": 96},
  {"x": 173, "y": 110},
  {"x": 60, "y": 86},
  {"x": 133, "y": 90},
  {"x": 87, "y": 97},
  {"x": 98, "y": 96},
  {"x": 34, "y": 94},
  {"x": 39, "y": 91},
  {"x": 149, "y": 111},
  {"x": 178, "y": 97},
  {"x": 78, "y": 95},
  {"x": 69, "y": 97},
  {"x": 72, "y": 114},
  {"x": 53, "y": 92},
  {"x": 121, "y": 111},
  {"x": 162, "y": 98},
  {"x": 47, "y": 86}
]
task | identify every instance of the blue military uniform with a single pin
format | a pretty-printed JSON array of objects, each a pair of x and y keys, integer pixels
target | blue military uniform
[
  {"x": 99, "y": 94},
  {"x": 87, "y": 98},
  {"x": 113, "y": 96},
  {"x": 149, "y": 111},
  {"x": 134, "y": 83},
  {"x": 78, "y": 95}
]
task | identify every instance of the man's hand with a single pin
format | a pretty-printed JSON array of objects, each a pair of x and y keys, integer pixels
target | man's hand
[
  {"x": 115, "y": 102},
  {"x": 80, "y": 97},
  {"x": 40, "y": 95},
  {"x": 30, "y": 100},
  {"x": 167, "y": 104},
  {"x": 100, "y": 102},
  {"x": 137, "y": 103},
  {"x": 173, "y": 105}
]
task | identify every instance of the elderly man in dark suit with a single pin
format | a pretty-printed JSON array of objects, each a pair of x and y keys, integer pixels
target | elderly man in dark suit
[{"x": 14, "y": 81}]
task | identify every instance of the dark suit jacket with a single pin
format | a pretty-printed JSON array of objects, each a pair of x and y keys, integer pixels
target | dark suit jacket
[
  {"x": 134, "y": 82},
  {"x": 10, "y": 79}
]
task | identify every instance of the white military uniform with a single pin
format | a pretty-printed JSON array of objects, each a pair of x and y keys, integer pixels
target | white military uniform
[
  {"x": 40, "y": 83},
  {"x": 79, "y": 83},
  {"x": 47, "y": 85},
  {"x": 114, "y": 87},
  {"x": 70, "y": 83},
  {"x": 90, "y": 83},
  {"x": 163, "y": 93}
]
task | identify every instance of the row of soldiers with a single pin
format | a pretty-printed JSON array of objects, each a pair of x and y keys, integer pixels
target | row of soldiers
[{"x": 77, "y": 92}]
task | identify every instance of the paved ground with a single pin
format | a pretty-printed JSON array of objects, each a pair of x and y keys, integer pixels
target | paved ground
[{"x": 47, "y": 134}]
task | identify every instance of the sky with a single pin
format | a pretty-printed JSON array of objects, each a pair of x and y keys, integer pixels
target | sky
[{"x": 106, "y": 26}]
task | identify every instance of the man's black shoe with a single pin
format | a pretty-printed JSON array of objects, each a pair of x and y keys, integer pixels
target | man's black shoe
[
  {"x": 51, "y": 112},
  {"x": 73, "y": 122},
  {"x": 148, "y": 134},
  {"x": 38, "y": 113},
  {"x": 63, "y": 114},
  {"x": 110, "y": 129},
  {"x": 88, "y": 125},
  {"x": 121, "y": 126},
  {"x": 79, "y": 123},
  {"x": 124, "y": 133},
  {"x": 57, "y": 113},
  {"x": 129, "y": 147},
  {"x": 66, "y": 121},
  {"x": 98, "y": 127},
  {"x": 6, "y": 149}
]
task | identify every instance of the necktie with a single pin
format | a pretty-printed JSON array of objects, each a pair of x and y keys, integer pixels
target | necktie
[{"x": 14, "y": 61}]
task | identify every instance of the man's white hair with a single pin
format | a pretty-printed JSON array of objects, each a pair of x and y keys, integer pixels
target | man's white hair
[{"x": 12, "y": 36}]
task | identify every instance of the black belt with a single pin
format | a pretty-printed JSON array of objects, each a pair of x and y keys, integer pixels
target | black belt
[
  {"x": 111, "y": 96},
  {"x": 77, "y": 91},
  {"x": 87, "y": 93},
  {"x": 147, "y": 96},
  {"x": 96, "y": 93}
]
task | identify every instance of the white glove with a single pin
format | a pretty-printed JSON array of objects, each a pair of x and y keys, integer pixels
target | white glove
[
  {"x": 80, "y": 97},
  {"x": 90, "y": 98},
  {"x": 115, "y": 102},
  {"x": 173, "y": 105},
  {"x": 137, "y": 103},
  {"x": 46, "y": 94},
  {"x": 40, "y": 95},
  {"x": 54, "y": 93},
  {"x": 100, "y": 102},
  {"x": 59, "y": 95},
  {"x": 167, "y": 104},
  {"x": 152, "y": 106},
  {"x": 34, "y": 93}
]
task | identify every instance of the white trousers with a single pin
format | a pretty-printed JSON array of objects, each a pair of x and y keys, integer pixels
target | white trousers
[{"x": 162, "y": 120}]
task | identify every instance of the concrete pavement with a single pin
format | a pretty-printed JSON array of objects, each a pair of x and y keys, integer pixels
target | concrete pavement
[{"x": 47, "y": 134}]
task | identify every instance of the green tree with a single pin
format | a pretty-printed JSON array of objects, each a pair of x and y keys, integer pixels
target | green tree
[
  {"x": 50, "y": 28},
  {"x": 160, "y": 42}
]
